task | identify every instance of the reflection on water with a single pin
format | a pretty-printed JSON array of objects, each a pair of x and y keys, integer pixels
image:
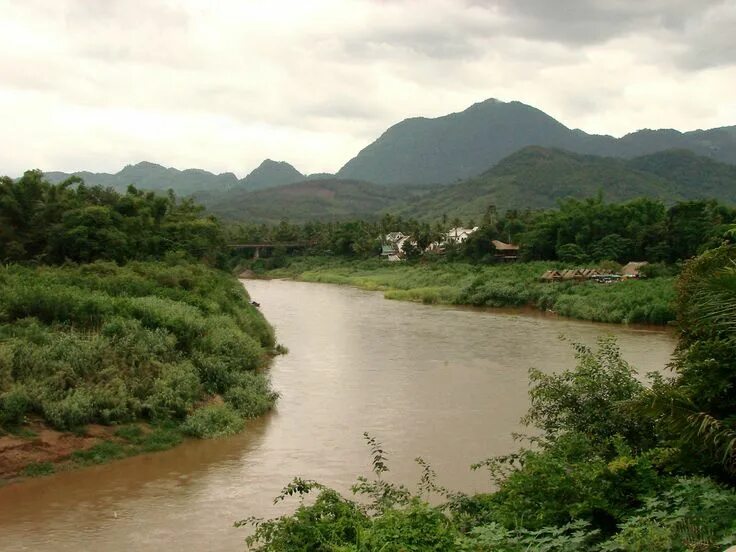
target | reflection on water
[{"x": 447, "y": 384}]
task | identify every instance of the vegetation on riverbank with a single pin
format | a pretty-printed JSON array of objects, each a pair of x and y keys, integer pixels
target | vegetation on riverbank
[
  {"x": 584, "y": 233},
  {"x": 112, "y": 313},
  {"x": 104, "y": 344},
  {"x": 614, "y": 464},
  {"x": 503, "y": 285}
]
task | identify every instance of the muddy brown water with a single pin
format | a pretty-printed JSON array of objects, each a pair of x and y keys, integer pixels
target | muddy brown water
[{"x": 443, "y": 383}]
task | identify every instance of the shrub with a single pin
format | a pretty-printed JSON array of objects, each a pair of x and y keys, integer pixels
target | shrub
[
  {"x": 100, "y": 453},
  {"x": 75, "y": 409},
  {"x": 417, "y": 527},
  {"x": 215, "y": 420},
  {"x": 329, "y": 523},
  {"x": 695, "y": 514},
  {"x": 174, "y": 392},
  {"x": 251, "y": 395},
  {"x": 14, "y": 404},
  {"x": 38, "y": 469}
]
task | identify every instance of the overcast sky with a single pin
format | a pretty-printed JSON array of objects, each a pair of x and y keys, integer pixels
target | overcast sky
[{"x": 221, "y": 85}]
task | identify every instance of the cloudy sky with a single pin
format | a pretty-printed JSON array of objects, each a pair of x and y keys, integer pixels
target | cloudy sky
[{"x": 97, "y": 84}]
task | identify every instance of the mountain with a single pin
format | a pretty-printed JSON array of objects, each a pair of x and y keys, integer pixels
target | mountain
[
  {"x": 531, "y": 178},
  {"x": 271, "y": 173},
  {"x": 537, "y": 177},
  {"x": 461, "y": 145},
  {"x": 328, "y": 199},
  {"x": 150, "y": 176}
]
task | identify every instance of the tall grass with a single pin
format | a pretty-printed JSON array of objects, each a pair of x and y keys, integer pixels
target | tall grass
[{"x": 109, "y": 344}]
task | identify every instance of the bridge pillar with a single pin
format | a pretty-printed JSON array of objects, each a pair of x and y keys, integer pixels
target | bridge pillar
[{"x": 257, "y": 253}]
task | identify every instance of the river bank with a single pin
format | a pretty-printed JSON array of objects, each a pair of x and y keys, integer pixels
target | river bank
[
  {"x": 36, "y": 449},
  {"x": 101, "y": 362},
  {"x": 646, "y": 301}
]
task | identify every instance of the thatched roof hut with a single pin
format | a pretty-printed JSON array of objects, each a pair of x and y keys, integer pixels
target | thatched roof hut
[
  {"x": 573, "y": 274},
  {"x": 632, "y": 269},
  {"x": 551, "y": 276}
]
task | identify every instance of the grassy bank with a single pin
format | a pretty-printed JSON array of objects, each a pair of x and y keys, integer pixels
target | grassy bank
[
  {"x": 510, "y": 285},
  {"x": 173, "y": 344}
]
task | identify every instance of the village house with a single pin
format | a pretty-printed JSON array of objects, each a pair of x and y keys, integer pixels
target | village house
[
  {"x": 505, "y": 251},
  {"x": 453, "y": 236},
  {"x": 392, "y": 247},
  {"x": 459, "y": 235}
]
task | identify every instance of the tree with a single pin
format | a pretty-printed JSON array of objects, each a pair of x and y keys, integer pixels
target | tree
[{"x": 572, "y": 253}]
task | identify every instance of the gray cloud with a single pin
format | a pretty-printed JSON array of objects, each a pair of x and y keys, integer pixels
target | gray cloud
[{"x": 92, "y": 84}]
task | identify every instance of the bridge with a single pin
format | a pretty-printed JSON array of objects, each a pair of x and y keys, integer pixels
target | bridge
[{"x": 256, "y": 247}]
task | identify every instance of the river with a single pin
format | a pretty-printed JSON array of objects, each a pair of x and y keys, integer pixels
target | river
[{"x": 448, "y": 384}]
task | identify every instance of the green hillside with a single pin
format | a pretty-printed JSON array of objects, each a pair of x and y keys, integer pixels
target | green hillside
[
  {"x": 269, "y": 174},
  {"x": 692, "y": 176},
  {"x": 536, "y": 178},
  {"x": 330, "y": 199},
  {"x": 531, "y": 178}
]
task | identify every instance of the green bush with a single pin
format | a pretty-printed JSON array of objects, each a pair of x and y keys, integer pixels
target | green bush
[
  {"x": 75, "y": 409},
  {"x": 174, "y": 391},
  {"x": 38, "y": 469},
  {"x": 695, "y": 514},
  {"x": 217, "y": 420},
  {"x": 109, "y": 344},
  {"x": 416, "y": 527},
  {"x": 250, "y": 395},
  {"x": 100, "y": 453},
  {"x": 13, "y": 406}
]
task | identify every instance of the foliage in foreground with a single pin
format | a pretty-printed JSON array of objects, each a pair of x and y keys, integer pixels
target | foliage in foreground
[
  {"x": 687, "y": 513},
  {"x": 109, "y": 344},
  {"x": 615, "y": 464}
]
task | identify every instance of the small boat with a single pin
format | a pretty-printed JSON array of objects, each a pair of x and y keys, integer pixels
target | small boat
[{"x": 255, "y": 304}]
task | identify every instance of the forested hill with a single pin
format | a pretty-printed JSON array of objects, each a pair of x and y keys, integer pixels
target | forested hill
[
  {"x": 154, "y": 177},
  {"x": 271, "y": 173},
  {"x": 325, "y": 199},
  {"x": 538, "y": 177},
  {"x": 532, "y": 178},
  {"x": 461, "y": 145}
]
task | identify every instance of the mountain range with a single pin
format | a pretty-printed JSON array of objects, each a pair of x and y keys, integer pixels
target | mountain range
[
  {"x": 506, "y": 153},
  {"x": 151, "y": 176},
  {"x": 531, "y": 178},
  {"x": 462, "y": 145}
]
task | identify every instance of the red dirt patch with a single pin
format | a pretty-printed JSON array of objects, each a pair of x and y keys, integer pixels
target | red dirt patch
[{"x": 47, "y": 445}]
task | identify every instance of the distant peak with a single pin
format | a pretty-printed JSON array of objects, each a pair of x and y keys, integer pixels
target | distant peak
[
  {"x": 146, "y": 165},
  {"x": 272, "y": 173},
  {"x": 270, "y": 162}
]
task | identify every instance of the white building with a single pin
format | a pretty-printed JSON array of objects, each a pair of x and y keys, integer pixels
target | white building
[
  {"x": 459, "y": 235},
  {"x": 393, "y": 245}
]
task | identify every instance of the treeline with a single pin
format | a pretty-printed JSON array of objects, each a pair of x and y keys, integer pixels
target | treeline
[
  {"x": 70, "y": 221},
  {"x": 613, "y": 464},
  {"x": 580, "y": 231}
]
